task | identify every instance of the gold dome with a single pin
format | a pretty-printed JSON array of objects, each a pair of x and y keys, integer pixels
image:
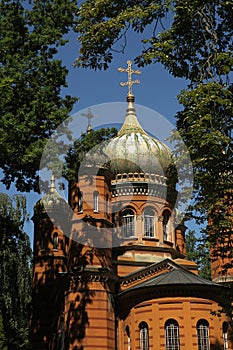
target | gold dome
[{"x": 133, "y": 150}]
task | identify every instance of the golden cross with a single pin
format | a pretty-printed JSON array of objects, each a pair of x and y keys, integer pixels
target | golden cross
[
  {"x": 130, "y": 82},
  {"x": 89, "y": 115}
]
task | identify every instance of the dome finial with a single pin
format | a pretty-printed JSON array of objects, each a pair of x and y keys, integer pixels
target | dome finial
[
  {"x": 52, "y": 184},
  {"x": 89, "y": 115},
  {"x": 130, "y": 82}
]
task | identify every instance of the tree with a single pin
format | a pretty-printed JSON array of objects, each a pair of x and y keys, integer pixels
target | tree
[
  {"x": 15, "y": 273},
  {"x": 198, "y": 252},
  {"x": 194, "y": 41},
  {"x": 2, "y": 335},
  {"x": 31, "y": 79}
]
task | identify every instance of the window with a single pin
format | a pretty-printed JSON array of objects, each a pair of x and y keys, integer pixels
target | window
[
  {"x": 128, "y": 223},
  {"x": 55, "y": 241},
  {"x": 172, "y": 335},
  {"x": 166, "y": 217},
  {"x": 144, "y": 336},
  {"x": 149, "y": 223},
  {"x": 128, "y": 337},
  {"x": 106, "y": 204},
  {"x": 42, "y": 243},
  {"x": 224, "y": 335},
  {"x": 96, "y": 200},
  {"x": 80, "y": 201},
  {"x": 203, "y": 335}
]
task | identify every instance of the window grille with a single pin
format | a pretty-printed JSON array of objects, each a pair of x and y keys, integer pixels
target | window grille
[
  {"x": 96, "y": 200},
  {"x": 128, "y": 337},
  {"x": 224, "y": 334},
  {"x": 128, "y": 224},
  {"x": 203, "y": 335},
  {"x": 80, "y": 201},
  {"x": 172, "y": 335},
  {"x": 149, "y": 223},
  {"x": 144, "y": 336},
  {"x": 166, "y": 219}
]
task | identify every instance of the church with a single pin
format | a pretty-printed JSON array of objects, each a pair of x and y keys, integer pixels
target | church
[{"x": 114, "y": 274}]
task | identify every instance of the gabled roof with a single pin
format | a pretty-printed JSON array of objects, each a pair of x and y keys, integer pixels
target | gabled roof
[
  {"x": 173, "y": 274},
  {"x": 177, "y": 275}
]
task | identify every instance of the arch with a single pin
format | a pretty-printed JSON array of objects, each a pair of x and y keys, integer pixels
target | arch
[
  {"x": 203, "y": 335},
  {"x": 225, "y": 326},
  {"x": 55, "y": 241},
  {"x": 128, "y": 224},
  {"x": 149, "y": 222},
  {"x": 106, "y": 203},
  {"x": 80, "y": 201},
  {"x": 166, "y": 224},
  {"x": 42, "y": 242},
  {"x": 172, "y": 335},
  {"x": 127, "y": 330},
  {"x": 96, "y": 201},
  {"x": 144, "y": 336}
]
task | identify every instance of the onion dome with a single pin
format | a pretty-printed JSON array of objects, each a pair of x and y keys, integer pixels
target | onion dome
[
  {"x": 135, "y": 151},
  {"x": 51, "y": 201}
]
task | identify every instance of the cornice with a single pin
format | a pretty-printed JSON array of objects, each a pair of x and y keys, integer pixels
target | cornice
[
  {"x": 129, "y": 188},
  {"x": 146, "y": 272}
]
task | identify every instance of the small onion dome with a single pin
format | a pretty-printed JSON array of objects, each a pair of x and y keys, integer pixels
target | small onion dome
[
  {"x": 50, "y": 201},
  {"x": 133, "y": 150}
]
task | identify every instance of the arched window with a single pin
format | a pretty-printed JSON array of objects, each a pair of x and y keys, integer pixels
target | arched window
[
  {"x": 80, "y": 201},
  {"x": 106, "y": 203},
  {"x": 42, "y": 243},
  {"x": 144, "y": 336},
  {"x": 166, "y": 218},
  {"x": 55, "y": 241},
  {"x": 224, "y": 335},
  {"x": 149, "y": 223},
  {"x": 172, "y": 335},
  {"x": 96, "y": 200},
  {"x": 128, "y": 223},
  {"x": 128, "y": 337},
  {"x": 203, "y": 335}
]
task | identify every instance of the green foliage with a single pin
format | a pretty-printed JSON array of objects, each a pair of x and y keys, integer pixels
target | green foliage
[
  {"x": 31, "y": 79},
  {"x": 198, "y": 252},
  {"x": 192, "y": 39},
  {"x": 205, "y": 125},
  {"x": 82, "y": 146},
  {"x": 15, "y": 273},
  {"x": 2, "y": 335}
]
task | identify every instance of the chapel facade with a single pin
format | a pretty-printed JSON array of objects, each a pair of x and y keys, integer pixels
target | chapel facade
[{"x": 114, "y": 274}]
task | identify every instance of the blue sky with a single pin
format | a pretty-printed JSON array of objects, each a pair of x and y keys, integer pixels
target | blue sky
[{"x": 157, "y": 90}]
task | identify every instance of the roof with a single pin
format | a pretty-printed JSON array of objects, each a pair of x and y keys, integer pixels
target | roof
[
  {"x": 166, "y": 279},
  {"x": 133, "y": 150},
  {"x": 176, "y": 275}
]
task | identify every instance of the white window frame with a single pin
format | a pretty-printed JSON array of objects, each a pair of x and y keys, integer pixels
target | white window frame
[
  {"x": 203, "y": 335},
  {"x": 225, "y": 335},
  {"x": 128, "y": 224},
  {"x": 149, "y": 223},
  {"x": 96, "y": 201},
  {"x": 172, "y": 335},
  {"x": 128, "y": 338},
  {"x": 144, "y": 336},
  {"x": 80, "y": 202},
  {"x": 166, "y": 224}
]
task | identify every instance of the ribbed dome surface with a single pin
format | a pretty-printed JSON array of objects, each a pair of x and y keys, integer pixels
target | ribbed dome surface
[
  {"x": 50, "y": 201},
  {"x": 133, "y": 150}
]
